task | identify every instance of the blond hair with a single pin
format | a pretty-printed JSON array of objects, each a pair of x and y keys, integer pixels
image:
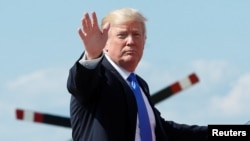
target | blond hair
[{"x": 124, "y": 15}]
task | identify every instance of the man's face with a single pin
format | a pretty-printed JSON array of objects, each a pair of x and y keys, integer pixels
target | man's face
[{"x": 125, "y": 44}]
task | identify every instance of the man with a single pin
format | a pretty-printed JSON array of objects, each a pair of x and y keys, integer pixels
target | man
[{"x": 103, "y": 105}]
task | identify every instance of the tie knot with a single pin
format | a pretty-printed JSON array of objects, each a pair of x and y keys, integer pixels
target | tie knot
[
  {"x": 132, "y": 80},
  {"x": 131, "y": 77}
]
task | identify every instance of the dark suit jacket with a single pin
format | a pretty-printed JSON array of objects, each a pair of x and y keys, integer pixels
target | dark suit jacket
[{"x": 103, "y": 108}]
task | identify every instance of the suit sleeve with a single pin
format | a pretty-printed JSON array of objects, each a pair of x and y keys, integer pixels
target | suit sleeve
[
  {"x": 176, "y": 131},
  {"x": 83, "y": 83}
]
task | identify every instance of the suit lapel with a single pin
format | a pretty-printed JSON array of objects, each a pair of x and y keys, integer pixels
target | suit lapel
[{"x": 131, "y": 102}]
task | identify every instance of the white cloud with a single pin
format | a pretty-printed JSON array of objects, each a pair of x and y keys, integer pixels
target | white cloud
[
  {"x": 43, "y": 90},
  {"x": 212, "y": 71},
  {"x": 237, "y": 100},
  {"x": 158, "y": 77},
  {"x": 39, "y": 81}
]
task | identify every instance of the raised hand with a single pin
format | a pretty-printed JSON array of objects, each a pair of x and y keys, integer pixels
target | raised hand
[{"x": 93, "y": 38}]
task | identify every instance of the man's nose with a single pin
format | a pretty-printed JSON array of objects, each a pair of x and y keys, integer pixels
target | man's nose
[{"x": 130, "y": 40}]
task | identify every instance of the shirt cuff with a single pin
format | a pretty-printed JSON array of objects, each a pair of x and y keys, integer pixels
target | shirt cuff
[{"x": 90, "y": 64}]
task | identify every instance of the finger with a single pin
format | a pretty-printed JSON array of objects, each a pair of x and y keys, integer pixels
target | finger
[
  {"x": 86, "y": 22},
  {"x": 95, "y": 21},
  {"x": 106, "y": 29},
  {"x": 84, "y": 25},
  {"x": 81, "y": 33}
]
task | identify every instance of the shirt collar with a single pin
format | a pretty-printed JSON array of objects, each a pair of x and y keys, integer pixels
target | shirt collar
[{"x": 124, "y": 73}]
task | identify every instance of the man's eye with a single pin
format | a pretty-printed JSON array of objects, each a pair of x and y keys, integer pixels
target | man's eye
[
  {"x": 122, "y": 35},
  {"x": 137, "y": 34}
]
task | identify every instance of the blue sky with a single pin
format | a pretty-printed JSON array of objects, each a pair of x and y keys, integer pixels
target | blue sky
[{"x": 39, "y": 43}]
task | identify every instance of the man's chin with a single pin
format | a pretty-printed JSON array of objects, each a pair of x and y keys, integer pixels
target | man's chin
[{"x": 130, "y": 58}]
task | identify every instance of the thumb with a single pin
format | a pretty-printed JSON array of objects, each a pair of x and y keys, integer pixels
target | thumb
[{"x": 105, "y": 29}]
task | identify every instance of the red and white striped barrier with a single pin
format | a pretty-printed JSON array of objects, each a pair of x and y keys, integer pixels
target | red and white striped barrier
[
  {"x": 176, "y": 87},
  {"x": 32, "y": 116}
]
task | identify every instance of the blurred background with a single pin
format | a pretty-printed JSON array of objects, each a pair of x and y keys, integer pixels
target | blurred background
[{"x": 39, "y": 43}]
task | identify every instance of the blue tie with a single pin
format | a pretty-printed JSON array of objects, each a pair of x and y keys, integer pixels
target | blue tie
[{"x": 144, "y": 124}]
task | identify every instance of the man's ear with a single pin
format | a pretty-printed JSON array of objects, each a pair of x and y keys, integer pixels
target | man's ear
[{"x": 106, "y": 48}]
